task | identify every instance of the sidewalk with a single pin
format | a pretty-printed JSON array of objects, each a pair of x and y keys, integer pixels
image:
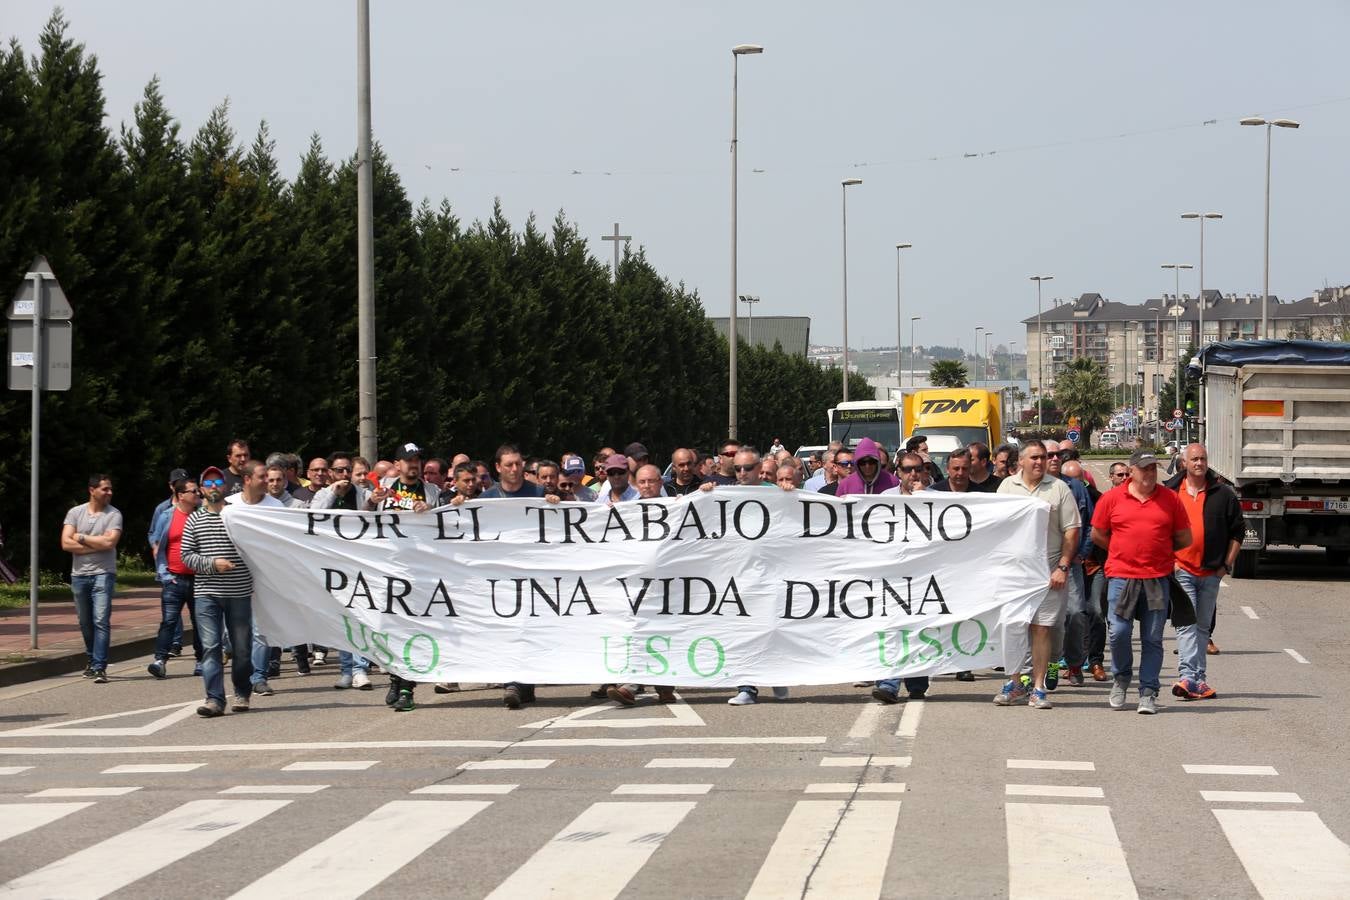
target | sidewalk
[{"x": 135, "y": 623}]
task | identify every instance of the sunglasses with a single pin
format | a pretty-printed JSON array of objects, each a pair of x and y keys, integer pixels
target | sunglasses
[
  {"x": 728, "y": 452},
  {"x": 616, "y": 471},
  {"x": 844, "y": 464},
  {"x": 213, "y": 482},
  {"x": 911, "y": 468},
  {"x": 867, "y": 462},
  {"x": 746, "y": 468},
  {"x": 340, "y": 469}
]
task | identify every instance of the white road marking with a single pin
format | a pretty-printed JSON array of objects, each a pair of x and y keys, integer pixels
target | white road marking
[
  {"x": 151, "y": 768},
  {"x": 1298, "y": 657},
  {"x": 1057, "y": 849},
  {"x": 13, "y": 770},
  {"x": 596, "y": 854},
  {"x": 671, "y": 715},
  {"x": 1058, "y": 765},
  {"x": 507, "y": 764},
  {"x": 849, "y": 787},
  {"x": 1249, "y": 612},
  {"x": 1288, "y": 853},
  {"x": 274, "y": 789},
  {"x": 692, "y": 762},
  {"x": 829, "y": 848},
  {"x": 669, "y": 741},
  {"x": 368, "y": 851},
  {"x": 466, "y": 789},
  {"x": 1250, "y": 797},
  {"x": 85, "y": 792},
  {"x": 331, "y": 765},
  {"x": 321, "y": 746},
  {"x": 1206, "y": 769},
  {"x": 116, "y": 862},
  {"x": 909, "y": 719},
  {"x": 845, "y": 761},
  {"x": 1052, "y": 790},
  {"x": 70, "y": 729},
  {"x": 18, "y": 818},
  {"x": 869, "y": 719},
  {"x": 658, "y": 790}
]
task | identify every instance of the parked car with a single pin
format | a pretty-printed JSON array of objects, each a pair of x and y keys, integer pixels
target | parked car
[{"x": 1108, "y": 440}]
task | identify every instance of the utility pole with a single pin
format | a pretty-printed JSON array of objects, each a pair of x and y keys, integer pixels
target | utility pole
[
  {"x": 616, "y": 237},
  {"x": 365, "y": 243}
]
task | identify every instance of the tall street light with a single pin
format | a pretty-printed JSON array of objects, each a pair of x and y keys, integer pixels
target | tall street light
[
  {"x": 736, "y": 53},
  {"x": 1040, "y": 346},
  {"x": 976, "y": 373},
  {"x": 1178, "y": 312},
  {"x": 899, "y": 322},
  {"x": 1200, "y": 340},
  {"x": 913, "y": 347},
  {"x": 988, "y": 360},
  {"x": 367, "y": 430},
  {"x": 1265, "y": 280},
  {"x": 844, "y": 186},
  {"x": 750, "y": 302}
]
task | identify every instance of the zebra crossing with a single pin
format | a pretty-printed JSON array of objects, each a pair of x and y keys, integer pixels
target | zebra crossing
[{"x": 833, "y": 838}]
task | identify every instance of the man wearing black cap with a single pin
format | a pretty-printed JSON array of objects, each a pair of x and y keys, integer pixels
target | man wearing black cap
[{"x": 637, "y": 457}]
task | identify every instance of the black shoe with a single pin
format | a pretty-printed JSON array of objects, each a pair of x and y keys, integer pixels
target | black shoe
[
  {"x": 405, "y": 702},
  {"x": 511, "y": 697},
  {"x": 156, "y": 669},
  {"x": 302, "y": 670},
  {"x": 88, "y": 672},
  {"x": 601, "y": 692},
  {"x": 263, "y": 689},
  {"x": 885, "y": 696},
  {"x": 274, "y": 670},
  {"x": 965, "y": 676},
  {"x": 391, "y": 695},
  {"x": 527, "y": 694},
  {"x": 176, "y": 650},
  {"x": 100, "y": 676},
  {"x": 917, "y": 695}
]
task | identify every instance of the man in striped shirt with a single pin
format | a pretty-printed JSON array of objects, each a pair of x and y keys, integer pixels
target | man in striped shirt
[{"x": 223, "y": 598}]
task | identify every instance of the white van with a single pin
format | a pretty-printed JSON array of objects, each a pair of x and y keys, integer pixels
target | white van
[{"x": 1108, "y": 440}]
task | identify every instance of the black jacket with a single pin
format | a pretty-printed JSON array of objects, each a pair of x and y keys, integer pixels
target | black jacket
[{"x": 1223, "y": 518}]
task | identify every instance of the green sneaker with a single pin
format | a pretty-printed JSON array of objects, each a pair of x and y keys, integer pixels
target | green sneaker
[
  {"x": 405, "y": 702},
  {"x": 1052, "y": 676}
]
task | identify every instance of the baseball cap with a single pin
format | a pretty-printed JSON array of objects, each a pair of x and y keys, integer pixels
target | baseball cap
[
  {"x": 616, "y": 461},
  {"x": 635, "y": 451},
  {"x": 177, "y": 474},
  {"x": 210, "y": 471},
  {"x": 1143, "y": 458},
  {"x": 574, "y": 466},
  {"x": 408, "y": 451}
]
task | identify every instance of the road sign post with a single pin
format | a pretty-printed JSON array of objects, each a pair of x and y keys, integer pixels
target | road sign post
[
  {"x": 39, "y": 359},
  {"x": 1073, "y": 434}
]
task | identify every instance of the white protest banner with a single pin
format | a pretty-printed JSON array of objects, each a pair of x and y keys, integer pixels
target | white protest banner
[{"x": 741, "y": 585}]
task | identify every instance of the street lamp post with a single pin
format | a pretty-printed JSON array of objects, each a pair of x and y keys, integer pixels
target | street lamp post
[
  {"x": 988, "y": 360},
  {"x": 1200, "y": 339},
  {"x": 750, "y": 302},
  {"x": 1040, "y": 346},
  {"x": 1178, "y": 312},
  {"x": 1265, "y": 278},
  {"x": 976, "y": 373},
  {"x": 736, "y": 53},
  {"x": 913, "y": 347},
  {"x": 899, "y": 322},
  {"x": 844, "y": 186}
]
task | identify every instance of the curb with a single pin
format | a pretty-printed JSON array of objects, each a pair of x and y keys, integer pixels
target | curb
[{"x": 70, "y": 661}]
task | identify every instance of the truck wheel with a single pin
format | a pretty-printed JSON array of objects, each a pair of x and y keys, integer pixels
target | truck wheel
[
  {"x": 1337, "y": 557},
  {"x": 1245, "y": 564}
]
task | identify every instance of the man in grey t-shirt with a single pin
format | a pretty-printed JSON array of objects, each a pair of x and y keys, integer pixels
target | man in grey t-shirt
[{"x": 90, "y": 535}]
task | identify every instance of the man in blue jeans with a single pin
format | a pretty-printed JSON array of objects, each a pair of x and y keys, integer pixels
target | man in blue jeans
[
  {"x": 90, "y": 534},
  {"x": 1215, "y": 515},
  {"x": 174, "y": 576},
  {"x": 1141, "y": 525}
]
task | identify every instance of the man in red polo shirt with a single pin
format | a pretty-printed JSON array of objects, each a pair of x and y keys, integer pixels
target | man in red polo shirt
[{"x": 1141, "y": 526}]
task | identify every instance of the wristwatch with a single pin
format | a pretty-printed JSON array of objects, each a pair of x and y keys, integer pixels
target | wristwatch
[{"x": 1063, "y": 568}]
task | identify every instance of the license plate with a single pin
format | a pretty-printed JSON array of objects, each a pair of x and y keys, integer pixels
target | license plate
[{"x": 1336, "y": 505}]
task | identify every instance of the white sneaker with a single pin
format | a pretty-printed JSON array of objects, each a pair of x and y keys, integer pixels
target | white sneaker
[
  {"x": 744, "y": 698},
  {"x": 780, "y": 693},
  {"x": 360, "y": 680},
  {"x": 319, "y": 658}
]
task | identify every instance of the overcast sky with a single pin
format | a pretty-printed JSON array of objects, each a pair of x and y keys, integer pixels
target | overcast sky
[{"x": 1095, "y": 127}]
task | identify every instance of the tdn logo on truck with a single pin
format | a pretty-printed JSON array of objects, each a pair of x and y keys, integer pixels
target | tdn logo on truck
[{"x": 946, "y": 406}]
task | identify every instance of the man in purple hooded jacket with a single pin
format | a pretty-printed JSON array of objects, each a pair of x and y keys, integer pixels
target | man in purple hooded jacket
[{"x": 868, "y": 476}]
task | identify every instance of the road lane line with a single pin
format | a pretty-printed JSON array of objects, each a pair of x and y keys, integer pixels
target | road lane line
[
  {"x": 1052, "y": 790},
  {"x": 829, "y": 848},
  {"x": 1250, "y": 797},
  {"x": 693, "y": 762},
  {"x": 662, "y": 789},
  {"x": 19, "y": 818},
  {"x": 1207, "y": 769},
  {"x": 331, "y": 765},
  {"x": 1059, "y": 765},
  {"x": 596, "y": 854},
  {"x": 479, "y": 764},
  {"x": 1298, "y": 657},
  {"x": 849, "y": 787},
  {"x": 844, "y": 761},
  {"x": 116, "y": 862},
  {"x": 151, "y": 768},
  {"x": 909, "y": 719},
  {"x": 274, "y": 789},
  {"x": 1288, "y": 854},
  {"x": 320, "y": 747},
  {"x": 466, "y": 789},
  {"x": 669, "y": 742},
  {"x": 1249, "y": 612},
  {"x": 1057, "y": 849},
  {"x": 85, "y": 792},
  {"x": 869, "y": 719},
  {"x": 13, "y": 770},
  {"x": 366, "y": 852}
]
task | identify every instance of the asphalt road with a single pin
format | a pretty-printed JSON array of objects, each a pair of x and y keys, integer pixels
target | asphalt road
[{"x": 316, "y": 791}]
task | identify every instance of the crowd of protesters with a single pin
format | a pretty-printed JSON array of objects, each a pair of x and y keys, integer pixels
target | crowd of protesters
[{"x": 1136, "y": 550}]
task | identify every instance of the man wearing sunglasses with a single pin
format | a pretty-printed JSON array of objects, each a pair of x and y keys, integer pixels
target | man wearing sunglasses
[
  {"x": 840, "y": 467},
  {"x": 868, "y": 476},
  {"x": 617, "y": 486},
  {"x": 910, "y": 472},
  {"x": 824, "y": 473},
  {"x": 726, "y": 460},
  {"x": 175, "y": 577}
]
